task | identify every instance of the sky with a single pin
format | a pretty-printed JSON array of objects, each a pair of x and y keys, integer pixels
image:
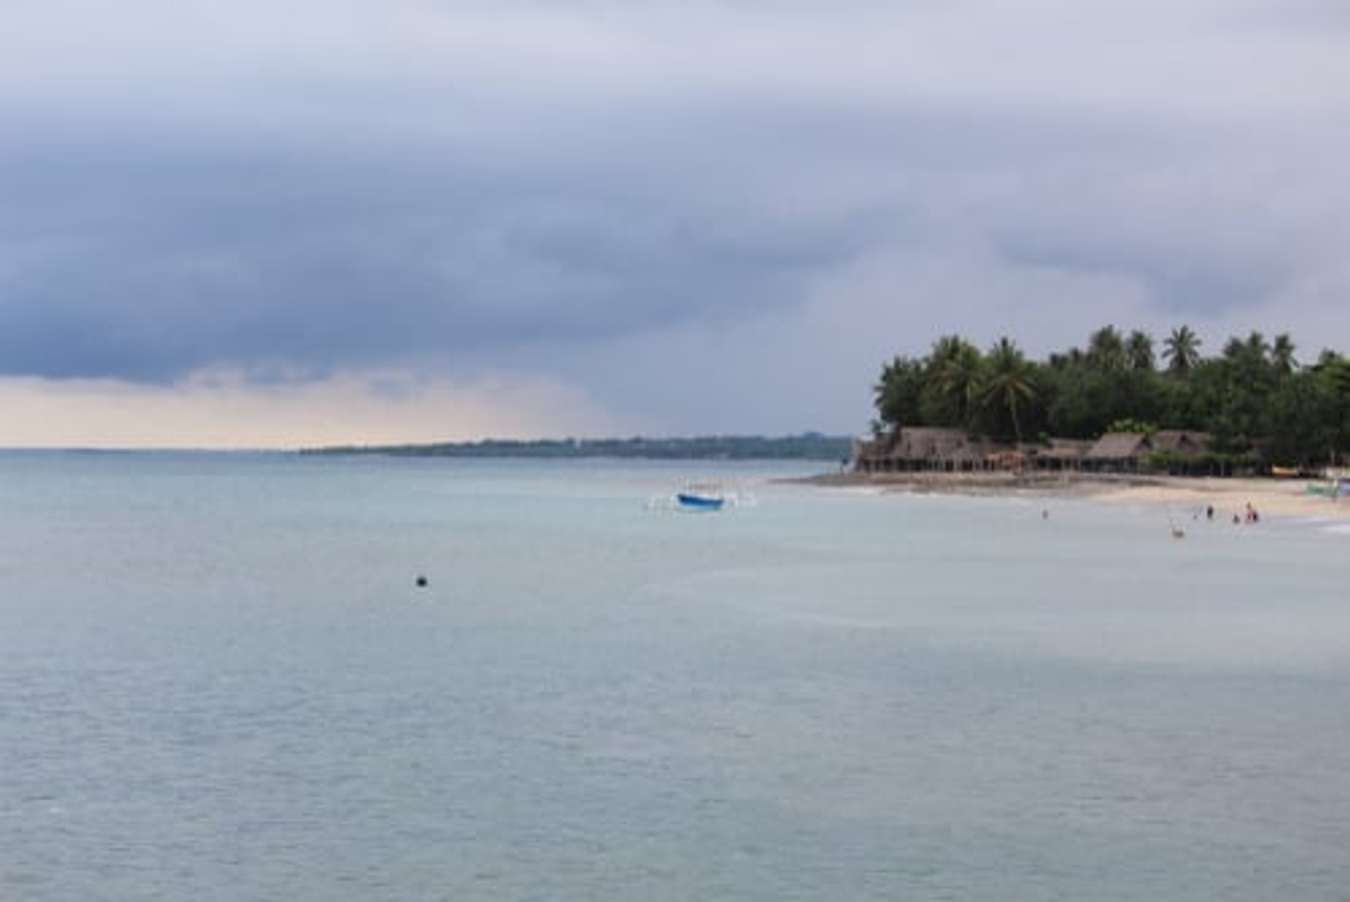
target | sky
[{"x": 251, "y": 224}]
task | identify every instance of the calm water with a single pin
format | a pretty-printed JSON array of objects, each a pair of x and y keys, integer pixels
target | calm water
[{"x": 218, "y": 681}]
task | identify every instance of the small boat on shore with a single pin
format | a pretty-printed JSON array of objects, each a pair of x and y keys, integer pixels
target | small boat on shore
[{"x": 1335, "y": 486}]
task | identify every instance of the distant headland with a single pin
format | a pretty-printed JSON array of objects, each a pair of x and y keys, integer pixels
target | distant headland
[{"x": 806, "y": 446}]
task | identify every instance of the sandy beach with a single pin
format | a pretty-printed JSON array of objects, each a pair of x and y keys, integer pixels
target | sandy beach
[{"x": 1270, "y": 497}]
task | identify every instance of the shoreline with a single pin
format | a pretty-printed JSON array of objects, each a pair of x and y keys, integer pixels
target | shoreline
[{"x": 1228, "y": 495}]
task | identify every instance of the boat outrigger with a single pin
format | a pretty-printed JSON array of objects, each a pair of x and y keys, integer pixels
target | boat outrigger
[{"x": 701, "y": 497}]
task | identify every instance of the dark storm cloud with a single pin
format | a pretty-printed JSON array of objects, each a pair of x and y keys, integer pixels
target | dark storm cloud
[
  {"x": 142, "y": 251},
  {"x": 183, "y": 255},
  {"x": 343, "y": 185}
]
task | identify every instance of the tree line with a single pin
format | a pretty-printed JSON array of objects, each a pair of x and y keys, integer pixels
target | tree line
[
  {"x": 1255, "y": 398},
  {"x": 807, "y": 446}
]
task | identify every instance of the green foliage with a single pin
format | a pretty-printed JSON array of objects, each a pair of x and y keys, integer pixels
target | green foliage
[
  {"x": 1129, "y": 424},
  {"x": 1255, "y": 399},
  {"x": 1204, "y": 464},
  {"x": 898, "y": 393}
]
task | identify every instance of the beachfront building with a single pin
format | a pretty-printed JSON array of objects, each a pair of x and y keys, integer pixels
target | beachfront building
[
  {"x": 1061, "y": 454},
  {"x": 1185, "y": 453},
  {"x": 933, "y": 449},
  {"x": 1177, "y": 451},
  {"x": 917, "y": 449},
  {"x": 1117, "y": 452},
  {"x": 1181, "y": 442}
]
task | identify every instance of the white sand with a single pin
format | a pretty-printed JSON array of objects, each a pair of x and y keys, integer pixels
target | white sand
[{"x": 1270, "y": 497}]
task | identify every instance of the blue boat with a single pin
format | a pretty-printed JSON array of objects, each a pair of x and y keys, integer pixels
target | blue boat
[{"x": 696, "y": 501}]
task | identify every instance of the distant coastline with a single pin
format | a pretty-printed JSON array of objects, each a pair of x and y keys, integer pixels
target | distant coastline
[{"x": 806, "y": 446}]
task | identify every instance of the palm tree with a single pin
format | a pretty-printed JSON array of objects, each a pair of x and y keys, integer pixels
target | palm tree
[
  {"x": 956, "y": 365},
  {"x": 1139, "y": 350},
  {"x": 1182, "y": 350},
  {"x": 1106, "y": 349},
  {"x": 1008, "y": 380},
  {"x": 1282, "y": 354},
  {"x": 1251, "y": 354},
  {"x": 1258, "y": 347},
  {"x": 950, "y": 347}
]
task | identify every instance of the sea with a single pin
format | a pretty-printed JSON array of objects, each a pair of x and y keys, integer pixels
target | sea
[{"x": 220, "y": 680}]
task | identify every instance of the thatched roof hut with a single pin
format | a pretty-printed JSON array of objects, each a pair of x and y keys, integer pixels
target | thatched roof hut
[
  {"x": 1181, "y": 443},
  {"x": 1067, "y": 448},
  {"x": 938, "y": 448},
  {"x": 1117, "y": 451},
  {"x": 919, "y": 448},
  {"x": 1060, "y": 453},
  {"x": 1117, "y": 446},
  {"x": 927, "y": 443}
]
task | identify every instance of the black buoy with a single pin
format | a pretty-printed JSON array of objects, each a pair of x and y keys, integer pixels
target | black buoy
[{"x": 421, "y": 582}]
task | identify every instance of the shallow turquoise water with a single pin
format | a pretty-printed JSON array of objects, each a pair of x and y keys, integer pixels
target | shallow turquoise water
[{"x": 218, "y": 681}]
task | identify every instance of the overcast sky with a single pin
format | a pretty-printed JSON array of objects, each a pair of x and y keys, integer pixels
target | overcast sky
[{"x": 262, "y": 223}]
